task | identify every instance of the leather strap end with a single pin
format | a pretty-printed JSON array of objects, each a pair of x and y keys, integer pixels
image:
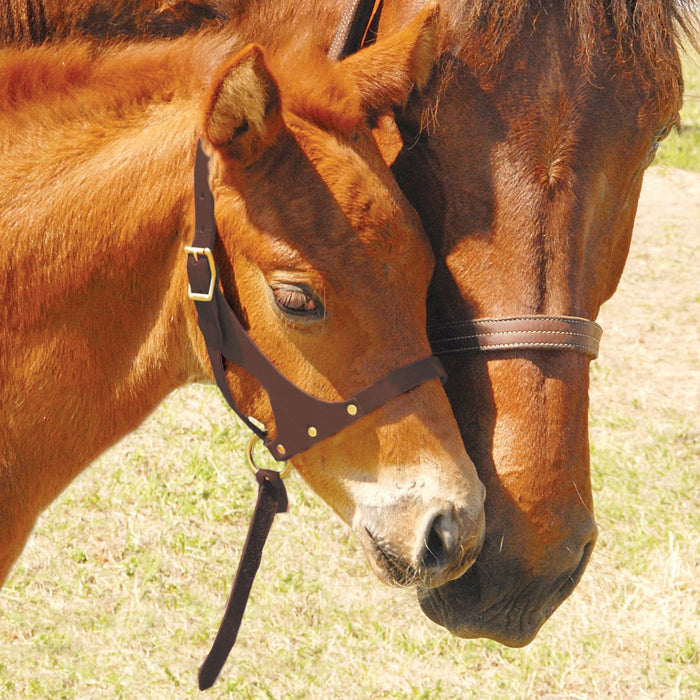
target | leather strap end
[{"x": 272, "y": 499}]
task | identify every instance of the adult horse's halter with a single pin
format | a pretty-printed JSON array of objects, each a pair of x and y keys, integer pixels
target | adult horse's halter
[
  {"x": 534, "y": 332},
  {"x": 358, "y": 27}
]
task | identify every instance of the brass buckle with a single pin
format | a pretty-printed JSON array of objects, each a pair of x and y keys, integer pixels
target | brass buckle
[{"x": 198, "y": 296}]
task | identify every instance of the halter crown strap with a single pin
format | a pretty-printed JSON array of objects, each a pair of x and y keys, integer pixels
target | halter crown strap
[
  {"x": 357, "y": 28},
  {"x": 517, "y": 333}
]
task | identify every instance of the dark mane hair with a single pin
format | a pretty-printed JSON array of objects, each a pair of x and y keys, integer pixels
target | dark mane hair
[{"x": 32, "y": 22}]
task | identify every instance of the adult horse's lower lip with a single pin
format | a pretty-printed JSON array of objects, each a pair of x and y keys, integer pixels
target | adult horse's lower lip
[{"x": 468, "y": 608}]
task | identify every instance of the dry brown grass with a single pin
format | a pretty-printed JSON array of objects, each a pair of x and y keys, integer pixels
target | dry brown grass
[{"x": 121, "y": 588}]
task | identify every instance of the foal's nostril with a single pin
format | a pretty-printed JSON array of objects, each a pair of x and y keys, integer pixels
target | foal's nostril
[{"x": 439, "y": 541}]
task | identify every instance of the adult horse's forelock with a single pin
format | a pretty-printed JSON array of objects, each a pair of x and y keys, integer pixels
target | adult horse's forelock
[{"x": 645, "y": 35}]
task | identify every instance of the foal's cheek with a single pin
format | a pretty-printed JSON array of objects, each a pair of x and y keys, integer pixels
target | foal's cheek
[{"x": 329, "y": 477}]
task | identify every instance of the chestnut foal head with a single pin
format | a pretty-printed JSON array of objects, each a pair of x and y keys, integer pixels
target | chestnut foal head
[{"x": 330, "y": 272}]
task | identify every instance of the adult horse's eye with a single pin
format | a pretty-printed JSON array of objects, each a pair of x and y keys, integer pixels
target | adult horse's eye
[
  {"x": 297, "y": 300},
  {"x": 666, "y": 129},
  {"x": 662, "y": 133}
]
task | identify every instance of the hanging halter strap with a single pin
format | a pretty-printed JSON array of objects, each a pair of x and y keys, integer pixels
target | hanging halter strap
[{"x": 272, "y": 499}]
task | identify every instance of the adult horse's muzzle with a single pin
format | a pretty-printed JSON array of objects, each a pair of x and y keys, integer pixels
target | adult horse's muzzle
[
  {"x": 540, "y": 525},
  {"x": 502, "y": 601}
]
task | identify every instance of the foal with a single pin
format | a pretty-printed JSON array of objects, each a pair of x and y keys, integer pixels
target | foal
[{"x": 319, "y": 253}]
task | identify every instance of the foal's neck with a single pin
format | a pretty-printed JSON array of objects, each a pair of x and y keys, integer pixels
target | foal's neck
[{"x": 94, "y": 325}]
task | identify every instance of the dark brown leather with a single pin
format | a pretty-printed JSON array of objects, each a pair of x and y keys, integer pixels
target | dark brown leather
[
  {"x": 301, "y": 420},
  {"x": 357, "y": 28},
  {"x": 272, "y": 499},
  {"x": 517, "y": 333}
]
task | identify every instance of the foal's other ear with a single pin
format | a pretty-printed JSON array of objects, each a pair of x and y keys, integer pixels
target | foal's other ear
[
  {"x": 386, "y": 72},
  {"x": 242, "y": 115}
]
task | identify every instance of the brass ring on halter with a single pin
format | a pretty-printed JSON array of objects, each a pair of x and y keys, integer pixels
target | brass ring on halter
[{"x": 251, "y": 459}]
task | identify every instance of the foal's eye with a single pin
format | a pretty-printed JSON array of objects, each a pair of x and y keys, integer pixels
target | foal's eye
[{"x": 297, "y": 300}]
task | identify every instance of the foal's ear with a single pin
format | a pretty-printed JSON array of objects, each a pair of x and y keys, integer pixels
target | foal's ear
[
  {"x": 386, "y": 72},
  {"x": 242, "y": 115}
]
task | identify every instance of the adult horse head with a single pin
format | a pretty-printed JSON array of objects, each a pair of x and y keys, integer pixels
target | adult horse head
[
  {"x": 526, "y": 172},
  {"x": 320, "y": 255}
]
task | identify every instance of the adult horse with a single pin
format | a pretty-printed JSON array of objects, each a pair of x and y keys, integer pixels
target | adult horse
[
  {"x": 525, "y": 158},
  {"x": 527, "y": 173},
  {"x": 318, "y": 252}
]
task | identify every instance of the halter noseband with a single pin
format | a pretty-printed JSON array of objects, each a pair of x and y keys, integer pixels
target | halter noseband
[{"x": 534, "y": 332}]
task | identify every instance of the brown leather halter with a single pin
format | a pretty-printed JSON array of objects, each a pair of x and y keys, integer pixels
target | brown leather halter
[
  {"x": 357, "y": 28},
  {"x": 533, "y": 332},
  {"x": 301, "y": 420}
]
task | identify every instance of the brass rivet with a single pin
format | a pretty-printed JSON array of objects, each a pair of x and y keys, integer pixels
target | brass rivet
[
  {"x": 352, "y": 409},
  {"x": 281, "y": 450},
  {"x": 312, "y": 431}
]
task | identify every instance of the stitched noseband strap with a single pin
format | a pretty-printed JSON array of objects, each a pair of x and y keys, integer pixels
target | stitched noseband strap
[
  {"x": 301, "y": 420},
  {"x": 517, "y": 333}
]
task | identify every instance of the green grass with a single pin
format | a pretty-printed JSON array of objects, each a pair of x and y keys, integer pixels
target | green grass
[{"x": 681, "y": 149}]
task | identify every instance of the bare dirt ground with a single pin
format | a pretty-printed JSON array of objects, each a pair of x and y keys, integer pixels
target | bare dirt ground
[{"x": 653, "y": 320}]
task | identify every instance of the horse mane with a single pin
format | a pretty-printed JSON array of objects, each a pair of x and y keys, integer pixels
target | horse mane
[
  {"x": 645, "y": 35},
  {"x": 32, "y": 22},
  {"x": 31, "y": 78}
]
